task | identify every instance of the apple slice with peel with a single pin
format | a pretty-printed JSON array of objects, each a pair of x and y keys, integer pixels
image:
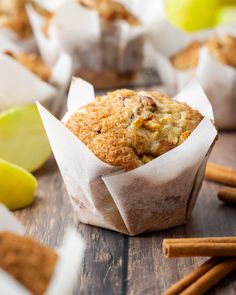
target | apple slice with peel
[
  {"x": 17, "y": 186},
  {"x": 23, "y": 140}
]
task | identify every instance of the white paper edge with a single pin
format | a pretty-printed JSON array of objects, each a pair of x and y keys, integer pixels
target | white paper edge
[
  {"x": 81, "y": 93},
  {"x": 8, "y": 45},
  {"x": 198, "y": 99},
  {"x": 68, "y": 265},
  {"x": 48, "y": 118},
  {"x": 9, "y": 286},
  {"x": 47, "y": 91},
  {"x": 8, "y": 222}
]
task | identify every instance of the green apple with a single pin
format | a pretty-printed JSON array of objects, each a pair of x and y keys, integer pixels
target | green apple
[
  {"x": 192, "y": 15},
  {"x": 17, "y": 186},
  {"x": 226, "y": 15},
  {"x": 23, "y": 138}
]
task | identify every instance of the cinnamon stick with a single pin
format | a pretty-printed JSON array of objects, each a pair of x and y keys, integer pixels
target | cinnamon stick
[
  {"x": 212, "y": 247},
  {"x": 227, "y": 195},
  {"x": 221, "y": 174},
  {"x": 204, "y": 277},
  {"x": 212, "y": 277},
  {"x": 191, "y": 278}
]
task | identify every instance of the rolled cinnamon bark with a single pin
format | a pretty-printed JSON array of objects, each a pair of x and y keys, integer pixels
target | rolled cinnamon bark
[
  {"x": 212, "y": 277},
  {"x": 227, "y": 195},
  {"x": 221, "y": 174},
  {"x": 192, "y": 277},
  {"x": 212, "y": 247}
]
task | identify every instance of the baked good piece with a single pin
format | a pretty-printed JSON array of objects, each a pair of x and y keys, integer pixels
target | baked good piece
[
  {"x": 13, "y": 15},
  {"x": 33, "y": 63},
  {"x": 128, "y": 129},
  {"x": 15, "y": 18},
  {"x": 110, "y": 10},
  {"x": 188, "y": 57},
  {"x": 29, "y": 262},
  {"x": 223, "y": 49}
]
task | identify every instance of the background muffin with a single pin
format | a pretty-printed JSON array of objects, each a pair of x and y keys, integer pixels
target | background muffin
[
  {"x": 222, "y": 48},
  {"x": 128, "y": 129}
]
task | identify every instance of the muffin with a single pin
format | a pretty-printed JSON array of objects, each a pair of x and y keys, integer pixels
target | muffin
[
  {"x": 132, "y": 161},
  {"x": 110, "y": 53},
  {"x": 29, "y": 262},
  {"x": 128, "y": 129},
  {"x": 222, "y": 48},
  {"x": 33, "y": 63}
]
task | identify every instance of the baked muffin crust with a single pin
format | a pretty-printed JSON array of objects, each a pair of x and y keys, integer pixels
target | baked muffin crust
[
  {"x": 223, "y": 49},
  {"x": 188, "y": 57},
  {"x": 14, "y": 17},
  {"x": 110, "y": 10},
  {"x": 29, "y": 262},
  {"x": 128, "y": 129},
  {"x": 33, "y": 63}
]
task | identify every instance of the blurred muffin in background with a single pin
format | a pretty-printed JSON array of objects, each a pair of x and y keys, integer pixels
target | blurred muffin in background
[
  {"x": 104, "y": 38},
  {"x": 222, "y": 48}
]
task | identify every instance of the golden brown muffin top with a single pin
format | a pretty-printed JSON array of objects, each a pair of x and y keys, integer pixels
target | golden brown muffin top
[
  {"x": 33, "y": 63},
  {"x": 110, "y": 10},
  {"x": 223, "y": 49},
  {"x": 188, "y": 57},
  {"x": 128, "y": 129},
  {"x": 29, "y": 262}
]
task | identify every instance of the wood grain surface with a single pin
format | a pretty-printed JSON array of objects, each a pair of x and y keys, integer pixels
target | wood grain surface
[{"x": 117, "y": 264}]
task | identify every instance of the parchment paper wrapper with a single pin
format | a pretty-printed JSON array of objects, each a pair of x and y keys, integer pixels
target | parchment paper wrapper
[
  {"x": 19, "y": 86},
  {"x": 70, "y": 256},
  {"x": 101, "y": 52},
  {"x": 218, "y": 80},
  {"x": 25, "y": 44},
  {"x": 155, "y": 196}
]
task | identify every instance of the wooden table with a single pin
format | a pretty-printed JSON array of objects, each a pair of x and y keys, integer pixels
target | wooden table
[{"x": 117, "y": 264}]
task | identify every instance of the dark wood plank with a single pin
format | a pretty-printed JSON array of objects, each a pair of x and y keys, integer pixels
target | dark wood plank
[{"x": 149, "y": 272}]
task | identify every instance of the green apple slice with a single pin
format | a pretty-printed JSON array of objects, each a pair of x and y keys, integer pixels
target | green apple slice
[
  {"x": 23, "y": 140},
  {"x": 191, "y": 15},
  {"x": 226, "y": 15},
  {"x": 17, "y": 186}
]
